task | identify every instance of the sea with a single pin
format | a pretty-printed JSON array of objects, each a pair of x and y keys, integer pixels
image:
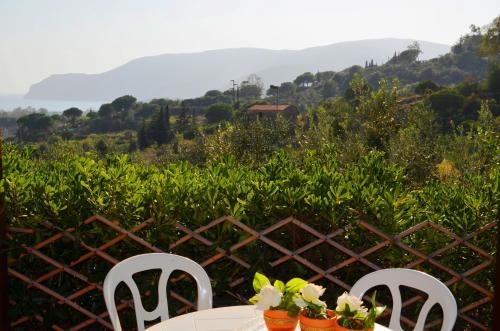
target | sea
[{"x": 9, "y": 102}]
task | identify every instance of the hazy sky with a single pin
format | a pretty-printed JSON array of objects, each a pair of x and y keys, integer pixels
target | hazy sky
[{"x": 42, "y": 37}]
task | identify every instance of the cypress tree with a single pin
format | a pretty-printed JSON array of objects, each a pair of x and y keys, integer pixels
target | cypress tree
[
  {"x": 142, "y": 136},
  {"x": 160, "y": 128},
  {"x": 182, "y": 120}
]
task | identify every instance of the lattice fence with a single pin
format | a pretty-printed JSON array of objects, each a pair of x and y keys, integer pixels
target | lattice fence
[{"x": 56, "y": 274}]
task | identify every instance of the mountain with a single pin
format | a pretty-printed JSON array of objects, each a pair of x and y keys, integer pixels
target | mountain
[{"x": 192, "y": 74}]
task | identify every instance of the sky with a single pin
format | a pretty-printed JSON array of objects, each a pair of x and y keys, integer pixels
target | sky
[{"x": 43, "y": 37}]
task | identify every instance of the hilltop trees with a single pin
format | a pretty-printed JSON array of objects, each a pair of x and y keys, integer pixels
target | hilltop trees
[
  {"x": 407, "y": 56},
  {"x": 219, "y": 112},
  {"x": 106, "y": 110},
  {"x": 123, "y": 103},
  {"x": 73, "y": 113},
  {"x": 250, "y": 91},
  {"x": 304, "y": 80}
]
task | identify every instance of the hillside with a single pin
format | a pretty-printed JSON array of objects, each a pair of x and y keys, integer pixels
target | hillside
[{"x": 191, "y": 75}]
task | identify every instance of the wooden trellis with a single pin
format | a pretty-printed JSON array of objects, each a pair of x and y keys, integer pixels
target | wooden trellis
[{"x": 43, "y": 253}]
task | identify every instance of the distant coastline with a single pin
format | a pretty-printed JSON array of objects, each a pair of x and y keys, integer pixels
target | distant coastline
[{"x": 9, "y": 102}]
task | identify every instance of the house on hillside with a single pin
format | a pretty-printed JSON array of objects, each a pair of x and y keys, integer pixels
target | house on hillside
[{"x": 261, "y": 111}]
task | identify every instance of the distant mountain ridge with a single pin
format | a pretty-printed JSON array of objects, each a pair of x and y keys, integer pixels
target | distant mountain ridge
[{"x": 192, "y": 74}]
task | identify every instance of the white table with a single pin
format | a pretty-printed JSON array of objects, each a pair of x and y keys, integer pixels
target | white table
[{"x": 236, "y": 318}]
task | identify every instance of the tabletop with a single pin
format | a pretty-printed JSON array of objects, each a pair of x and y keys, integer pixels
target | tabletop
[{"x": 235, "y": 318}]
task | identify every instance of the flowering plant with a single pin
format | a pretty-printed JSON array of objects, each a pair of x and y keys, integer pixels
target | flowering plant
[
  {"x": 309, "y": 300},
  {"x": 351, "y": 314},
  {"x": 278, "y": 296}
]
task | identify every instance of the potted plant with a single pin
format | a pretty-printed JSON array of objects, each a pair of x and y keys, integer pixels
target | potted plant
[
  {"x": 352, "y": 315},
  {"x": 314, "y": 315},
  {"x": 277, "y": 301}
]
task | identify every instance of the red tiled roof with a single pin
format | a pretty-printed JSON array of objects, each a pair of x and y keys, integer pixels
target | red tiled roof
[{"x": 260, "y": 108}]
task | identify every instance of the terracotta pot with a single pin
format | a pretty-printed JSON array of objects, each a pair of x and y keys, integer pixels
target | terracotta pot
[
  {"x": 310, "y": 324},
  {"x": 278, "y": 320},
  {"x": 341, "y": 328}
]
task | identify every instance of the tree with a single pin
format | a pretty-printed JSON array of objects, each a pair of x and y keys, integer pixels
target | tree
[
  {"x": 448, "y": 105},
  {"x": 183, "y": 121},
  {"x": 106, "y": 110},
  {"x": 72, "y": 113},
  {"x": 159, "y": 129},
  {"x": 490, "y": 42},
  {"x": 123, "y": 103},
  {"x": 493, "y": 81},
  {"x": 329, "y": 89},
  {"x": 101, "y": 147},
  {"x": 218, "y": 112},
  {"x": 324, "y": 76},
  {"x": 161, "y": 102},
  {"x": 142, "y": 136},
  {"x": 287, "y": 89},
  {"x": 272, "y": 91},
  {"x": 409, "y": 55},
  {"x": 425, "y": 86},
  {"x": 306, "y": 79},
  {"x": 91, "y": 114},
  {"x": 213, "y": 93},
  {"x": 33, "y": 126},
  {"x": 146, "y": 110},
  {"x": 250, "y": 91}
]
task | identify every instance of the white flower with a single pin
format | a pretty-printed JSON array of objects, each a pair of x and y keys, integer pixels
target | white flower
[
  {"x": 300, "y": 302},
  {"x": 353, "y": 302},
  {"x": 269, "y": 296},
  {"x": 310, "y": 292}
]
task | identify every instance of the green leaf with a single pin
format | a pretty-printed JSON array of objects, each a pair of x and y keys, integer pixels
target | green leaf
[
  {"x": 280, "y": 285},
  {"x": 259, "y": 280},
  {"x": 295, "y": 285},
  {"x": 253, "y": 300},
  {"x": 374, "y": 303}
]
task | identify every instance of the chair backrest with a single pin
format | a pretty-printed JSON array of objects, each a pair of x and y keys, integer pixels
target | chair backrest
[
  {"x": 123, "y": 272},
  {"x": 437, "y": 293}
]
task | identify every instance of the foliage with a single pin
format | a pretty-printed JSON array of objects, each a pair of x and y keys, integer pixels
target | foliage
[
  {"x": 312, "y": 306},
  {"x": 218, "y": 112},
  {"x": 286, "y": 293},
  {"x": 73, "y": 113},
  {"x": 353, "y": 316},
  {"x": 123, "y": 103},
  {"x": 250, "y": 91},
  {"x": 426, "y": 86},
  {"x": 490, "y": 43},
  {"x": 32, "y": 126},
  {"x": 157, "y": 130},
  {"x": 306, "y": 79}
]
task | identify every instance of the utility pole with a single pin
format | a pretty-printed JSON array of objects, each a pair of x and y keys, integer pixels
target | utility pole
[
  {"x": 277, "y": 88},
  {"x": 234, "y": 91},
  {"x": 237, "y": 105}
]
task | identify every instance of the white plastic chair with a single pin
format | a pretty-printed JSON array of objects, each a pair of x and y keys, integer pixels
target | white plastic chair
[
  {"x": 437, "y": 293},
  {"x": 123, "y": 272}
]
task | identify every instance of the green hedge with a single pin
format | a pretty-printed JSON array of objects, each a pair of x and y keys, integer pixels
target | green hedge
[{"x": 314, "y": 189}]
